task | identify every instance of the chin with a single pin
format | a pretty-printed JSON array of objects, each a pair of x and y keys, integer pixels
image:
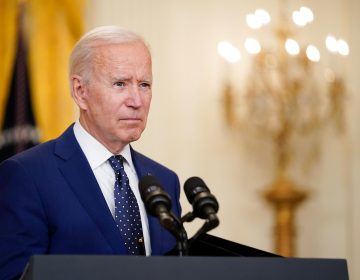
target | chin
[{"x": 133, "y": 137}]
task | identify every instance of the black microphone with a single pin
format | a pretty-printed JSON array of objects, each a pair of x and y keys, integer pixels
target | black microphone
[
  {"x": 205, "y": 205},
  {"x": 157, "y": 201}
]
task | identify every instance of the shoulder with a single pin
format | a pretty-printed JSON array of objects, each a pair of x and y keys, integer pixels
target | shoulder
[
  {"x": 146, "y": 165},
  {"x": 168, "y": 179},
  {"x": 31, "y": 156},
  {"x": 40, "y": 157}
]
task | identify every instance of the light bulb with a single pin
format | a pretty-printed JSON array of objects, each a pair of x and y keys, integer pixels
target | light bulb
[
  {"x": 263, "y": 16},
  {"x": 253, "y": 21},
  {"x": 331, "y": 44},
  {"x": 307, "y": 14},
  {"x": 342, "y": 47},
  {"x": 292, "y": 47},
  {"x": 298, "y": 18},
  {"x": 228, "y": 52},
  {"x": 313, "y": 53},
  {"x": 252, "y": 46}
]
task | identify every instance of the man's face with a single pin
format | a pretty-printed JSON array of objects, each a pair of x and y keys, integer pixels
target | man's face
[{"x": 117, "y": 96}]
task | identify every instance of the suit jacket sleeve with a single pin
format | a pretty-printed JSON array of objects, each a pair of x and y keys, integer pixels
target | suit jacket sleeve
[{"x": 23, "y": 230}]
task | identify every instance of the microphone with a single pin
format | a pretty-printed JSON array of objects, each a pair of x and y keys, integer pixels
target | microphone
[
  {"x": 157, "y": 201},
  {"x": 205, "y": 205}
]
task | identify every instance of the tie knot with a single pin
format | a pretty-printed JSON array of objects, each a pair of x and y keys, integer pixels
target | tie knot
[{"x": 116, "y": 162}]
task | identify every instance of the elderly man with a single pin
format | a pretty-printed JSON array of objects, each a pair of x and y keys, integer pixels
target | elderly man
[{"x": 78, "y": 194}]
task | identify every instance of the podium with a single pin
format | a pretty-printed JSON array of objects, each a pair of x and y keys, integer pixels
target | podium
[
  {"x": 234, "y": 261},
  {"x": 209, "y": 245}
]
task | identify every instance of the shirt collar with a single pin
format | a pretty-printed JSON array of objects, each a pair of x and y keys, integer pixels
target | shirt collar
[{"x": 95, "y": 152}]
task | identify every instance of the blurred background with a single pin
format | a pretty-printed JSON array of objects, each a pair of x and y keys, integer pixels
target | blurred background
[{"x": 259, "y": 98}]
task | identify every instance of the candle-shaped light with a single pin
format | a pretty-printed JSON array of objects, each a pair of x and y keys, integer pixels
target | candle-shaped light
[
  {"x": 228, "y": 52},
  {"x": 331, "y": 43},
  {"x": 342, "y": 47},
  {"x": 252, "y": 46},
  {"x": 263, "y": 16},
  {"x": 253, "y": 21},
  {"x": 292, "y": 47},
  {"x": 307, "y": 14},
  {"x": 313, "y": 53}
]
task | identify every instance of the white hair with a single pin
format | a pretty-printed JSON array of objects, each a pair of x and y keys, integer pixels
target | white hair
[{"x": 83, "y": 51}]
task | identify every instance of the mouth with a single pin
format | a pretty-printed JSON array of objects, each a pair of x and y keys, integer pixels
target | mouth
[{"x": 131, "y": 120}]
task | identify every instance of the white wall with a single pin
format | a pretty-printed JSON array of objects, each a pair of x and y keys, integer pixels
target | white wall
[{"x": 186, "y": 130}]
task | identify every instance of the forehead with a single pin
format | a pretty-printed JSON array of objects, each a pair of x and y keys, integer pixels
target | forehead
[
  {"x": 124, "y": 53},
  {"x": 125, "y": 60}
]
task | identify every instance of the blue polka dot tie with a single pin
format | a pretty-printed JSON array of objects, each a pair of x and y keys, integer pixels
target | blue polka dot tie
[{"x": 127, "y": 214}]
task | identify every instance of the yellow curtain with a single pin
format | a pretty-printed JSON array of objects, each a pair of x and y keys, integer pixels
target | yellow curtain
[
  {"x": 8, "y": 26},
  {"x": 52, "y": 28}
]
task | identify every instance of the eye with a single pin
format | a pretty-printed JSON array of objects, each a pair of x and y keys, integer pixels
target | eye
[
  {"x": 145, "y": 85},
  {"x": 119, "y": 84}
]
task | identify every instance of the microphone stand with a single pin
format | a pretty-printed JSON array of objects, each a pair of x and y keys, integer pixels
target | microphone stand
[
  {"x": 211, "y": 222},
  {"x": 177, "y": 229}
]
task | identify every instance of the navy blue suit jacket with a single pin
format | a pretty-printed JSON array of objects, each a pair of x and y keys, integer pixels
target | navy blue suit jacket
[{"x": 51, "y": 203}]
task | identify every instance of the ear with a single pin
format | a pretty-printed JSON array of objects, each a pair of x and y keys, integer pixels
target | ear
[{"x": 79, "y": 91}]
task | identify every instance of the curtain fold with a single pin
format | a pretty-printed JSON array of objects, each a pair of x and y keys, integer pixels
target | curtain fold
[
  {"x": 8, "y": 41},
  {"x": 52, "y": 27}
]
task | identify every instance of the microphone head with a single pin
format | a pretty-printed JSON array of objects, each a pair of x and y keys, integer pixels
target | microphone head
[
  {"x": 193, "y": 186},
  {"x": 148, "y": 184},
  {"x": 153, "y": 194},
  {"x": 198, "y": 194}
]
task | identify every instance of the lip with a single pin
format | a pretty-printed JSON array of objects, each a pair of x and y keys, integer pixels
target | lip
[{"x": 131, "y": 119}]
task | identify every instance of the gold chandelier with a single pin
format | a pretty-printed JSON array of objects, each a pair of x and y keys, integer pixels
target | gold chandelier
[{"x": 286, "y": 99}]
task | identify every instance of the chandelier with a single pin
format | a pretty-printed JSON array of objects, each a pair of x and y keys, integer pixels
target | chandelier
[{"x": 289, "y": 95}]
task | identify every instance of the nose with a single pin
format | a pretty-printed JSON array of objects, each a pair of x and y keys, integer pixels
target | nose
[{"x": 134, "y": 97}]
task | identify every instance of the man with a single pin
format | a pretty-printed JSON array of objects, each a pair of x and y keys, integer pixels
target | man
[{"x": 58, "y": 197}]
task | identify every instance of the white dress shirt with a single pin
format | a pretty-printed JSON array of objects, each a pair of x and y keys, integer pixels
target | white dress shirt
[{"x": 97, "y": 156}]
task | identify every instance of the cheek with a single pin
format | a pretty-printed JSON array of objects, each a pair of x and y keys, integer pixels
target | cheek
[
  {"x": 104, "y": 107},
  {"x": 147, "y": 102}
]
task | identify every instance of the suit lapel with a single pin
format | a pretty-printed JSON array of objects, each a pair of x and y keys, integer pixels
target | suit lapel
[
  {"x": 156, "y": 230},
  {"x": 77, "y": 172}
]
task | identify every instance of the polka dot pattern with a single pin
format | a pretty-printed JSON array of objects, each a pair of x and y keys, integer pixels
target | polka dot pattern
[{"x": 127, "y": 214}]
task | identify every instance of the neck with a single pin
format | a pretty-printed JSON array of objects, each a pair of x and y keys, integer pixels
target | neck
[{"x": 113, "y": 147}]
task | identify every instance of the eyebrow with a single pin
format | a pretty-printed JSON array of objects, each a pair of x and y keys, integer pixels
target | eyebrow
[
  {"x": 120, "y": 78},
  {"x": 127, "y": 78}
]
